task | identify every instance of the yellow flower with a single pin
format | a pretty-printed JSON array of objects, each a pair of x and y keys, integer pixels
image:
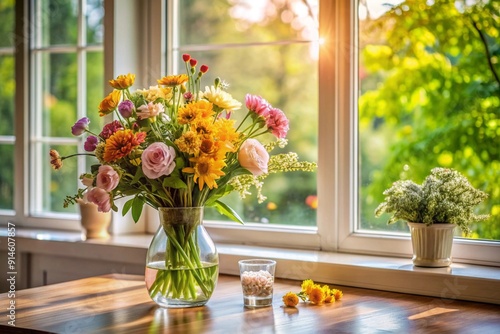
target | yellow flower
[
  {"x": 338, "y": 294},
  {"x": 221, "y": 99},
  {"x": 307, "y": 286},
  {"x": 226, "y": 130},
  {"x": 317, "y": 295},
  {"x": 290, "y": 299},
  {"x": 156, "y": 92},
  {"x": 109, "y": 103},
  {"x": 173, "y": 80},
  {"x": 189, "y": 143},
  {"x": 329, "y": 297},
  {"x": 203, "y": 127},
  {"x": 123, "y": 81},
  {"x": 206, "y": 170}
]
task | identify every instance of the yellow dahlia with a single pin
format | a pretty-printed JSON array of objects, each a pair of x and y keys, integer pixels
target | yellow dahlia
[
  {"x": 121, "y": 144},
  {"x": 307, "y": 286}
]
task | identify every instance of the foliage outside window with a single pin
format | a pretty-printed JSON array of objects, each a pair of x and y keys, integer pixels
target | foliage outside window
[{"x": 429, "y": 96}]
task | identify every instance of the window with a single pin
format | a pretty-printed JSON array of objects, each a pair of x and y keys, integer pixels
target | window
[{"x": 331, "y": 90}]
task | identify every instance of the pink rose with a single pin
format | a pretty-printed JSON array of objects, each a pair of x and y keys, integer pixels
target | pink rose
[
  {"x": 157, "y": 160},
  {"x": 99, "y": 197},
  {"x": 107, "y": 178},
  {"x": 253, "y": 156},
  {"x": 150, "y": 110}
]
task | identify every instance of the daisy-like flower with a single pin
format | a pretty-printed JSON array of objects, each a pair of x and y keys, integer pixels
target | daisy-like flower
[
  {"x": 206, "y": 171},
  {"x": 188, "y": 113},
  {"x": 173, "y": 80},
  {"x": 189, "y": 143},
  {"x": 151, "y": 110},
  {"x": 203, "y": 127},
  {"x": 121, "y": 144},
  {"x": 226, "y": 130},
  {"x": 290, "y": 299},
  {"x": 110, "y": 102},
  {"x": 221, "y": 99},
  {"x": 123, "y": 81}
]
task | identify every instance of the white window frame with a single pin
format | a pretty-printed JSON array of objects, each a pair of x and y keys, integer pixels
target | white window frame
[{"x": 336, "y": 229}]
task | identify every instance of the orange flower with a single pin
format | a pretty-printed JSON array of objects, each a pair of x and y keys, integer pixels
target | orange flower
[
  {"x": 121, "y": 144},
  {"x": 290, "y": 299},
  {"x": 109, "y": 103},
  {"x": 317, "y": 295},
  {"x": 55, "y": 159},
  {"x": 338, "y": 294},
  {"x": 123, "y": 81},
  {"x": 173, "y": 80}
]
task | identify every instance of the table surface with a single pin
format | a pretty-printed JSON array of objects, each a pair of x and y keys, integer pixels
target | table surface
[{"x": 120, "y": 304}]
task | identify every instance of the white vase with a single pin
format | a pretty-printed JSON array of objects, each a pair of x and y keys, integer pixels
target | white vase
[
  {"x": 95, "y": 224},
  {"x": 431, "y": 244}
]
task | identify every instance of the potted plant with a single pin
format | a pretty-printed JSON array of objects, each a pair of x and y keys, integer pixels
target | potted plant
[{"x": 444, "y": 200}]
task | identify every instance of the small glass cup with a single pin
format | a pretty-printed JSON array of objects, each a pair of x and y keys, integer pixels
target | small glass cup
[{"x": 257, "y": 282}]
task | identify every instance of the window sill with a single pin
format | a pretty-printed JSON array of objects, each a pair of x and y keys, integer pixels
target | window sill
[{"x": 459, "y": 281}]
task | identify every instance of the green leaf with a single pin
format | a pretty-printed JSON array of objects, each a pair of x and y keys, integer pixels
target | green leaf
[
  {"x": 174, "y": 182},
  {"x": 127, "y": 206},
  {"x": 137, "y": 206},
  {"x": 137, "y": 176},
  {"x": 227, "y": 211}
]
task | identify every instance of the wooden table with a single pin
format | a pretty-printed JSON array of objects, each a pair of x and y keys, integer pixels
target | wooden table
[{"x": 120, "y": 304}]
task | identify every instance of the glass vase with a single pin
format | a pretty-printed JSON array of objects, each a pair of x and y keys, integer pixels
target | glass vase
[{"x": 182, "y": 264}]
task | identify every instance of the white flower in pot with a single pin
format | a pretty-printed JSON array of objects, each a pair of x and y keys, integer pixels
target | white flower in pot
[{"x": 432, "y": 210}]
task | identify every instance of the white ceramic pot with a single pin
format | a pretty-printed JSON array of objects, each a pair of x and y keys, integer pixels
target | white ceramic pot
[{"x": 431, "y": 244}]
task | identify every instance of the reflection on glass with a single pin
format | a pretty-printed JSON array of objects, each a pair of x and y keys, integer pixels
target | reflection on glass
[{"x": 429, "y": 96}]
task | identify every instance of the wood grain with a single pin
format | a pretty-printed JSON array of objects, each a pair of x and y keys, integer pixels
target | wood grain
[{"x": 120, "y": 304}]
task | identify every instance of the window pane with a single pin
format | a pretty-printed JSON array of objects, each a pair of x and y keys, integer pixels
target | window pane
[
  {"x": 58, "y": 22},
  {"x": 94, "y": 17},
  {"x": 429, "y": 96},
  {"x": 95, "y": 88},
  {"x": 7, "y": 94},
  {"x": 246, "y": 21},
  {"x": 284, "y": 74},
  {"x": 57, "y": 184},
  {"x": 7, "y": 177},
  {"x": 7, "y": 23},
  {"x": 59, "y": 89}
]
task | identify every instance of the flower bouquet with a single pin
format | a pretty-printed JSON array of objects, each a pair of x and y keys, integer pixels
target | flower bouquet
[{"x": 175, "y": 145}]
